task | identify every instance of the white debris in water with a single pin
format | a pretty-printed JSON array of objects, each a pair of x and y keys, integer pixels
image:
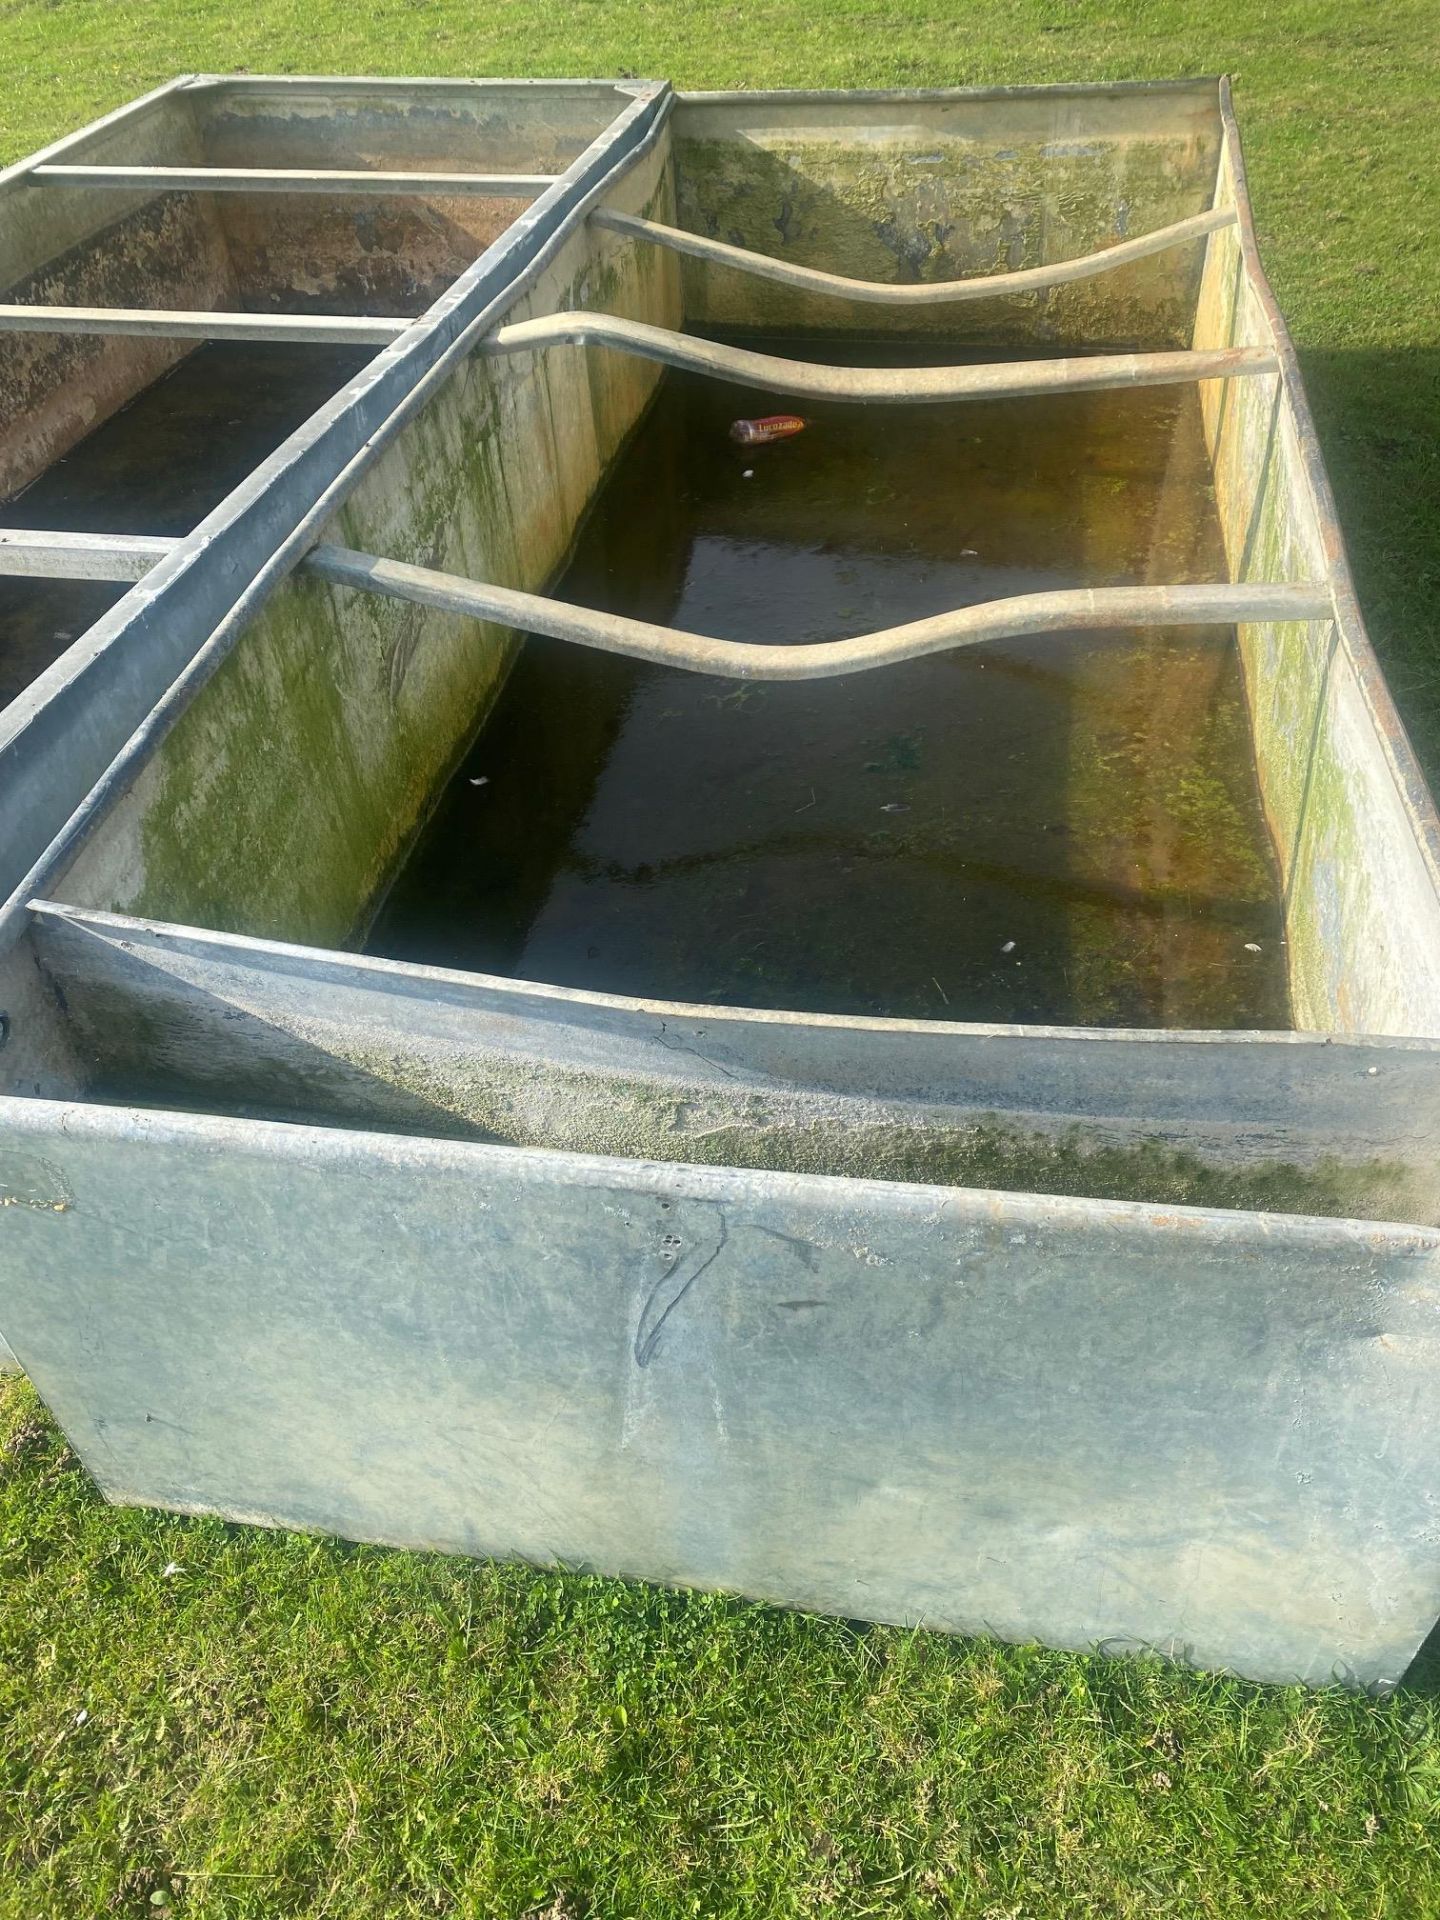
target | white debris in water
[
  {"x": 748, "y": 474},
  {"x": 1252, "y": 946},
  {"x": 1009, "y": 947},
  {"x": 481, "y": 780}
]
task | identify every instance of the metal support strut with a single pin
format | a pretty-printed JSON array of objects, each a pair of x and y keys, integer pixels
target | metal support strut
[
  {"x": 929, "y": 293},
  {"x": 523, "y": 186},
  {"x": 127, "y": 557},
  {"x": 1058, "y": 612},
  {"x": 800, "y": 379},
  {"x": 803, "y": 380},
  {"x": 175, "y": 323}
]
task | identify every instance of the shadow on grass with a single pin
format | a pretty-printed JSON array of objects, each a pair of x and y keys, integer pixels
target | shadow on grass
[
  {"x": 1422, "y": 1676},
  {"x": 1378, "y": 413}
]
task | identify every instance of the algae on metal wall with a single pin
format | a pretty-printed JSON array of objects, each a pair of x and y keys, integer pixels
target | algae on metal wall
[
  {"x": 1360, "y": 902},
  {"x": 285, "y": 795},
  {"x": 525, "y": 1103},
  {"x": 287, "y": 833},
  {"x": 879, "y": 211},
  {"x": 1309, "y": 795}
]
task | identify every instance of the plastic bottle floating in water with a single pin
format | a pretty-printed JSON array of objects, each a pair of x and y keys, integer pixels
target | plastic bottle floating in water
[{"x": 770, "y": 426}]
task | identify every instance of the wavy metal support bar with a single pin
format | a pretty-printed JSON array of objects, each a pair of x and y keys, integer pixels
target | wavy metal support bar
[
  {"x": 930, "y": 293},
  {"x": 1028, "y": 613},
  {"x": 802, "y": 379}
]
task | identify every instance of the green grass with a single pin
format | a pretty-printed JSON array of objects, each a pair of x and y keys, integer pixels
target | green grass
[
  {"x": 284, "y": 1726},
  {"x": 277, "y": 1725}
]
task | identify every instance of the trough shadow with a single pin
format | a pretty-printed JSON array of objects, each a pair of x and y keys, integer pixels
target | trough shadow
[{"x": 1422, "y": 1676}]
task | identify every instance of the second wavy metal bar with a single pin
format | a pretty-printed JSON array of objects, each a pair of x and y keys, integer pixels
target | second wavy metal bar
[
  {"x": 805, "y": 380},
  {"x": 928, "y": 293},
  {"x": 179, "y": 323},
  {"x": 742, "y": 366}
]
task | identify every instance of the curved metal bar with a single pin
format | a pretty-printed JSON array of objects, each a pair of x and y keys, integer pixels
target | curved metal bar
[
  {"x": 929, "y": 293},
  {"x": 1027, "y": 613},
  {"x": 805, "y": 380}
]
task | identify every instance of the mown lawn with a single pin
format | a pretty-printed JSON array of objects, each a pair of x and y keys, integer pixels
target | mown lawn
[{"x": 209, "y": 1720}]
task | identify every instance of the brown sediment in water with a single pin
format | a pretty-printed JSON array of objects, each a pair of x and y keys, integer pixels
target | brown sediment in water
[{"x": 1054, "y": 829}]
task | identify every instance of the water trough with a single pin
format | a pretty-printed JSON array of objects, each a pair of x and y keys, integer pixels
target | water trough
[{"x": 1091, "y": 1331}]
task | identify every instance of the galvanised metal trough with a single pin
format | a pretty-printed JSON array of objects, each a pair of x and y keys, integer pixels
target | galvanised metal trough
[{"x": 1104, "y": 1336}]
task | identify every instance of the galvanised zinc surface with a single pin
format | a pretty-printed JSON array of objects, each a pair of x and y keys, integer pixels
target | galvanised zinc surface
[
  {"x": 1211, "y": 1434},
  {"x": 1283, "y": 1122},
  {"x": 1204, "y": 1432}
]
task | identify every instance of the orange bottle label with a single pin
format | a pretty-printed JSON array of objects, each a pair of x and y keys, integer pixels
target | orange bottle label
[{"x": 770, "y": 426}]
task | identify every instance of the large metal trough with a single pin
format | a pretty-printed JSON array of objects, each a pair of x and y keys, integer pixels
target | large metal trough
[{"x": 1111, "y": 1337}]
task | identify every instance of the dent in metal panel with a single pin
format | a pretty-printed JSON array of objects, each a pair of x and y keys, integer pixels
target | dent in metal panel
[{"x": 1207, "y": 1434}]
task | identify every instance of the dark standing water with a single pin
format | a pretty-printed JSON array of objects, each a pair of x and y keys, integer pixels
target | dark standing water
[
  {"x": 1058, "y": 829},
  {"x": 158, "y": 466}
]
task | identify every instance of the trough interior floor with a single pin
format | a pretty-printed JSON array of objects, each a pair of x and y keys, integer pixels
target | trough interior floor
[
  {"x": 157, "y": 466},
  {"x": 1056, "y": 829}
]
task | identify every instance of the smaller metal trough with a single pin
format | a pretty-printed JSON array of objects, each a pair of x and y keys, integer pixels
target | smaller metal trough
[{"x": 1111, "y": 1336}]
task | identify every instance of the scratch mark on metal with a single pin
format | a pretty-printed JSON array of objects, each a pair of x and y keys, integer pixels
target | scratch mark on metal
[
  {"x": 679, "y": 1046},
  {"x": 652, "y": 1323}
]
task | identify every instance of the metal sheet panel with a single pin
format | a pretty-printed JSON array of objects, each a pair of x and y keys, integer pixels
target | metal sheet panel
[
  {"x": 1294, "y": 1123},
  {"x": 918, "y": 186},
  {"x": 1354, "y": 826},
  {"x": 1210, "y": 1434}
]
